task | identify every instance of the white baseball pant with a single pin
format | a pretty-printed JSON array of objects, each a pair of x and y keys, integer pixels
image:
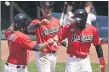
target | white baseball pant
[
  {"x": 74, "y": 64},
  {"x": 13, "y": 68},
  {"x": 45, "y": 62}
]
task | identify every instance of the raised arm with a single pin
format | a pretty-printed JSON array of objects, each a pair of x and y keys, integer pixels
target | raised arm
[
  {"x": 11, "y": 27},
  {"x": 33, "y": 27},
  {"x": 36, "y": 24}
]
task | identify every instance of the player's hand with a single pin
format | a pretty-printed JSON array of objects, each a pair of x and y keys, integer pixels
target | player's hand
[
  {"x": 72, "y": 21},
  {"x": 55, "y": 44},
  {"x": 50, "y": 41},
  {"x": 44, "y": 22},
  {"x": 102, "y": 65},
  {"x": 102, "y": 68}
]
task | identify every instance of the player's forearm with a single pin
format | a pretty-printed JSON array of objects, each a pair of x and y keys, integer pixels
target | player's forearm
[
  {"x": 55, "y": 38},
  {"x": 41, "y": 46},
  {"x": 11, "y": 27},
  {"x": 33, "y": 27},
  {"x": 99, "y": 51},
  {"x": 101, "y": 57}
]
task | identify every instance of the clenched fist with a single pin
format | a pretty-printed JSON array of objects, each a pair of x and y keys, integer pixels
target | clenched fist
[
  {"x": 102, "y": 65},
  {"x": 44, "y": 22}
]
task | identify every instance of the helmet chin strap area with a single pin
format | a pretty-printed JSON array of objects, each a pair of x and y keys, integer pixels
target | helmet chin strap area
[
  {"x": 81, "y": 27},
  {"x": 81, "y": 24}
]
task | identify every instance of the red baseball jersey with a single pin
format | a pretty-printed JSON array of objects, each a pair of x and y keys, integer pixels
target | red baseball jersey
[
  {"x": 44, "y": 32},
  {"x": 19, "y": 47},
  {"x": 79, "y": 42}
]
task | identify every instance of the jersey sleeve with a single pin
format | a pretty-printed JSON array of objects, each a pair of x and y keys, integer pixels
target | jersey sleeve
[
  {"x": 62, "y": 33},
  {"x": 27, "y": 43},
  {"x": 36, "y": 21},
  {"x": 33, "y": 26},
  {"x": 7, "y": 33},
  {"x": 96, "y": 39}
]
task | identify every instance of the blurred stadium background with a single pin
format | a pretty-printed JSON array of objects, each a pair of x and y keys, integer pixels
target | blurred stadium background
[{"x": 31, "y": 9}]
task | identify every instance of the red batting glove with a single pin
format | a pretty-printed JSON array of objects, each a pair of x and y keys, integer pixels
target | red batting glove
[{"x": 102, "y": 64}]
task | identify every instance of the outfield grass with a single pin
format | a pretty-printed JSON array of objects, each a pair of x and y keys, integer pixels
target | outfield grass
[{"x": 60, "y": 67}]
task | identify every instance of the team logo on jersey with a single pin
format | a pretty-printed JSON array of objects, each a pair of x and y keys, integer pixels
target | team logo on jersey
[
  {"x": 83, "y": 38},
  {"x": 12, "y": 37},
  {"x": 50, "y": 31}
]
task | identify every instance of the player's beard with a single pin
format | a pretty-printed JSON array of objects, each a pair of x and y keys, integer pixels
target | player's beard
[{"x": 81, "y": 25}]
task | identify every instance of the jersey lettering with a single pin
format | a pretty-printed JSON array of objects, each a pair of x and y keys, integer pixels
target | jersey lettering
[
  {"x": 75, "y": 38},
  {"x": 84, "y": 38},
  {"x": 50, "y": 31}
]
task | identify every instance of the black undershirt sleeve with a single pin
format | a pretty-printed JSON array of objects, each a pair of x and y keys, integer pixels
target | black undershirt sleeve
[{"x": 99, "y": 51}]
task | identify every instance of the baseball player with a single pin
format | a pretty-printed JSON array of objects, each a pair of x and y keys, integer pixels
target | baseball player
[
  {"x": 20, "y": 44},
  {"x": 48, "y": 28},
  {"x": 80, "y": 36}
]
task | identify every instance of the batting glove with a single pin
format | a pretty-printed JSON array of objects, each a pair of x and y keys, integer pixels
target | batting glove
[{"x": 102, "y": 64}]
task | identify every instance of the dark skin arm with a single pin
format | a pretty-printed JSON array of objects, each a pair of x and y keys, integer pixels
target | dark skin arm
[
  {"x": 101, "y": 57},
  {"x": 99, "y": 51}
]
